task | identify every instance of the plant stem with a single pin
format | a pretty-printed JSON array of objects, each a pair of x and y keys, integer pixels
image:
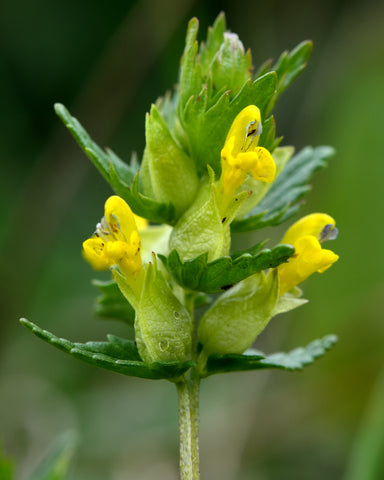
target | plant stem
[{"x": 188, "y": 392}]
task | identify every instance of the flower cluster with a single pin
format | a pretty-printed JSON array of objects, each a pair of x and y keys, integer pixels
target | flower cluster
[
  {"x": 232, "y": 323},
  {"x": 212, "y": 166}
]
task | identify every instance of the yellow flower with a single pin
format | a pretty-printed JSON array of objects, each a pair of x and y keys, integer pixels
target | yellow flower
[
  {"x": 116, "y": 240},
  {"x": 306, "y": 236},
  {"x": 241, "y": 155},
  {"x": 141, "y": 223}
]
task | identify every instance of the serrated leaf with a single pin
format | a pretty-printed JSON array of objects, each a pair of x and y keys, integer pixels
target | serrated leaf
[
  {"x": 288, "y": 67},
  {"x": 221, "y": 274},
  {"x": 282, "y": 200},
  {"x": 56, "y": 464},
  {"x": 215, "y": 38},
  {"x": 124, "y": 179},
  {"x": 251, "y": 251},
  {"x": 99, "y": 157},
  {"x": 190, "y": 79},
  {"x": 255, "y": 360},
  {"x": 292, "y": 63},
  {"x": 112, "y": 303},
  {"x": 258, "y": 92},
  {"x": 91, "y": 353}
]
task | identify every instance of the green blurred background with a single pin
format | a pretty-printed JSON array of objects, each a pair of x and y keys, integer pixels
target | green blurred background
[{"x": 107, "y": 61}]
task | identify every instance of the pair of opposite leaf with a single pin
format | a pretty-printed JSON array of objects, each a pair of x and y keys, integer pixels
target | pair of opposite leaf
[{"x": 163, "y": 326}]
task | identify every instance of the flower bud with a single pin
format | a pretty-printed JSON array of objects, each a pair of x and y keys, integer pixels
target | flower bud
[{"x": 231, "y": 67}]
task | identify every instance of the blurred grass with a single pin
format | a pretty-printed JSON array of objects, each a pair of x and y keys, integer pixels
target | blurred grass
[{"x": 108, "y": 65}]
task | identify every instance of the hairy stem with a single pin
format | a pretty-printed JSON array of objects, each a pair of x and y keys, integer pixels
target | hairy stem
[{"x": 188, "y": 392}]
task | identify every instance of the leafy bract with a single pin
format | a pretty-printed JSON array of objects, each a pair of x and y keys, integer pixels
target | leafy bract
[
  {"x": 212, "y": 277},
  {"x": 118, "y": 355},
  {"x": 255, "y": 360},
  {"x": 283, "y": 199},
  {"x": 123, "y": 178},
  {"x": 215, "y": 84},
  {"x": 112, "y": 303},
  {"x": 289, "y": 66}
]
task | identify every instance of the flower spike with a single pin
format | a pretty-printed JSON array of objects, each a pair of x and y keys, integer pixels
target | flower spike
[
  {"x": 116, "y": 240},
  {"x": 306, "y": 236}
]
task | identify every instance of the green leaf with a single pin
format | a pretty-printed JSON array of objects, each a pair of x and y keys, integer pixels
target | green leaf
[
  {"x": 190, "y": 79},
  {"x": 116, "y": 347},
  {"x": 99, "y": 157},
  {"x": 291, "y": 64},
  {"x": 56, "y": 463},
  {"x": 283, "y": 199},
  {"x": 118, "y": 355},
  {"x": 251, "y": 250},
  {"x": 215, "y": 38},
  {"x": 258, "y": 92},
  {"x": 288, "y": 67},
  {"x": 221, "y": 274},
  {"x": 123, "y": 178},
  {"x": 255, "y": 360},
  {"x": 112, "y": 303}
]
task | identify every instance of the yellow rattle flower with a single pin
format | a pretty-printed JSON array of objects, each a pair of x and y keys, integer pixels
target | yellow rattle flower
[
  {"x": 241, "y": 155},
  {"x": 306, "y": 236},
  {"x": 116, "y": 240}
]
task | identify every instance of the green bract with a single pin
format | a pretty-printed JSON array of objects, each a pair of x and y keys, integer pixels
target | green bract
[
  {"x": 163, "y": 326},
  {"x": 167, "y": 173},
  {"x": 239, "y": 315}
]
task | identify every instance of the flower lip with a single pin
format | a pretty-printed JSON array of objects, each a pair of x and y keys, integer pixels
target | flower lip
[{"x": 306, "y": 236}]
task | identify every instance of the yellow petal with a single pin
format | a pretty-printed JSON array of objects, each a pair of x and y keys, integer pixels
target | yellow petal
[
  {"x": 125, "y": 255},
  {"x": 119, "y": 217},
  {"x": 265, "y": 169},
  {"x": 141, "y": 223},
  {"x": 94, "y": 253},
  {"x": 243, "y": 129},
  {"x": 312, "y": 224},
  {"x": 309, "y": 258}
]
